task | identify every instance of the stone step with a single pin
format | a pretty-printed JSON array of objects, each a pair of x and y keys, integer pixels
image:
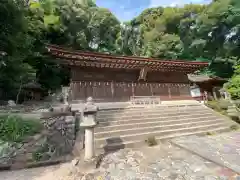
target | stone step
[
  {"x": 156, "y": 114},
  {"x": 101, "y": 142},
  {"x": 148, "y": 107},
  {"x": 130, "y": 111},
  {"x": 234, "y": 114},
  {"x": 136, "y": 130},
  {"x": 143, "y": 119},
  {"x": 232, "y": 110},
  {"x": 149, "y": 122},
  {"x": 133, "y": 108},
  {"x": 139, "y": 143}
]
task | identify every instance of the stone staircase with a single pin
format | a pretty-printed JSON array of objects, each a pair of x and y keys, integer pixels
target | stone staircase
[{"x": 130, "y": 127}]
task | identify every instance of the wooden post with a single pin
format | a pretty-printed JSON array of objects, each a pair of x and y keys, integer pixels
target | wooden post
[
  {"x": 151, "y": 89},
  {"x": 74, "y": 90},
  {"x": 112, "y": 90},
  {"x": 169, "y": 92},
  {"x": 133, "y": 94}
]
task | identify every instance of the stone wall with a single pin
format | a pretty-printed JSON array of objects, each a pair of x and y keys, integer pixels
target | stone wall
[
  {"x": 61, "y": 133},
  {"x": 55, "y": 141}
]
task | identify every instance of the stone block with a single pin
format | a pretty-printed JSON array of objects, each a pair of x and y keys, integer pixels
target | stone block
[
  {"x": 47, "y": 115},
  {"x": 70, "y": 119}
]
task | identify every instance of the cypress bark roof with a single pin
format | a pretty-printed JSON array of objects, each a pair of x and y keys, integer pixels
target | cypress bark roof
[{"x": 101, "y": 60}]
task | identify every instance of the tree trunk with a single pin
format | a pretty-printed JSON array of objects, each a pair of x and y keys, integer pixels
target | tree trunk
[{"x": 19, "y": 91}]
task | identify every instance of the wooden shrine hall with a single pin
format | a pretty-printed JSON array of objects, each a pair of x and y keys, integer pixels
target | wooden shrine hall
[{"x": 119, "y": 78}]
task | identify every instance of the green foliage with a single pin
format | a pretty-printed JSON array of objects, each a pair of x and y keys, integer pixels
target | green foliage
[
  {"x": 17, "y": 43},
  {"x": 193, "y": 32},
  {"x": 233, "y": 86},
  {"x": 207, "y": 32},
  {"x": 16, "y": 129},
  {"x": 151, "y": 141}
]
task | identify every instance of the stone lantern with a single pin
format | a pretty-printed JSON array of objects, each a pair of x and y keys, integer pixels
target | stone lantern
[
  {"x": 65, "y": 92},
  {"x": 88, "y": 123}
]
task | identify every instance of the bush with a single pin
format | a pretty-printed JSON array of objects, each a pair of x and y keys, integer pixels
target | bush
[
  {"x": 233, "y": 87},
  {"x": 151, "y": 141},
  {"x": 16, "y": 129}
]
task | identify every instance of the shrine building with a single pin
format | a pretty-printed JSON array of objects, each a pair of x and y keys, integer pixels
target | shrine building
[{"x": 110, "y": 78}]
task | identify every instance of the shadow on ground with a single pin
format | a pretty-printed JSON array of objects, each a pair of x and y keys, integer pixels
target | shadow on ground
[{"x": 108, "y": 149}]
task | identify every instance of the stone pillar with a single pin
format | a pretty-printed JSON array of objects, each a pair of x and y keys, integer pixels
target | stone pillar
[
  {"x": 65, "y": 92},
  {"x": 88, "y": 123},
  {"x": 89, "y": 143}
]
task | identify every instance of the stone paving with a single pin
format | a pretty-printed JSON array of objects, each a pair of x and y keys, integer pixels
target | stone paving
[
  {"x": 162, "y": 162},
  {"x": 165, "y": 162},
  {"x": 223, "y": 149}
]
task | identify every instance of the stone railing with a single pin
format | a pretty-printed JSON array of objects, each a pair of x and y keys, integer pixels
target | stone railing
[{"x": 145, "y": 100}]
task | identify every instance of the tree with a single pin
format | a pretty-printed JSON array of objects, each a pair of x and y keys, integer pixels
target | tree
[
  {"x": 87, "y": 27},
  {"x": 16, "y": 43},
  {"x": 166, "y": 46},
  {"x": 193, "y": 32},
  {"x": 233, "y": 86},
  {"x": 129, "y": 40}
]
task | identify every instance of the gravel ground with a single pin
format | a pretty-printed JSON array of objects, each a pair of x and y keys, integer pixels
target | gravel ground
[{"x": 164, "y": 161}]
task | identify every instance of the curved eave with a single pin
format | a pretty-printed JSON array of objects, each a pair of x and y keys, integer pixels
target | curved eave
[{"x": 99, "y": 60}]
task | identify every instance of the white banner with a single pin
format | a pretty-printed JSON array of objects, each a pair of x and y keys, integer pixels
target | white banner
[{"x": 195, "y": 92}]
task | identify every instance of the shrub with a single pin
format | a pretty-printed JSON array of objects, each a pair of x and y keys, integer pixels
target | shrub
[
  {"x": 151, "y": 141},
  {"x": 233, "y": 87},
  {"x": 16, "y": 129}
]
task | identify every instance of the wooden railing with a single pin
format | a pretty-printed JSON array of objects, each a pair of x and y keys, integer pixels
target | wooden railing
[{"x": 145, "y": 100}]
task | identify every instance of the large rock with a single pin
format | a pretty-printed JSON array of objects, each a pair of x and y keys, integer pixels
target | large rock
[{"x": 11, "y": 103}]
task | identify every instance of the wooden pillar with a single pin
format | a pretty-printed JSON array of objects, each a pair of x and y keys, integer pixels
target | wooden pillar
[
  {"x": 151, "y": 88},
  {"x": 133, "y": 93},
  {"x": 73, "y": 90},
  {"x": 112, "y": 90},
  {"x": 214, "y": 93},
  {"x": 169, "y": 92}
]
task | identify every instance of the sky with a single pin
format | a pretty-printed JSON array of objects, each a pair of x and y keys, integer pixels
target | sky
[{"x": 127, "y": 9}]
